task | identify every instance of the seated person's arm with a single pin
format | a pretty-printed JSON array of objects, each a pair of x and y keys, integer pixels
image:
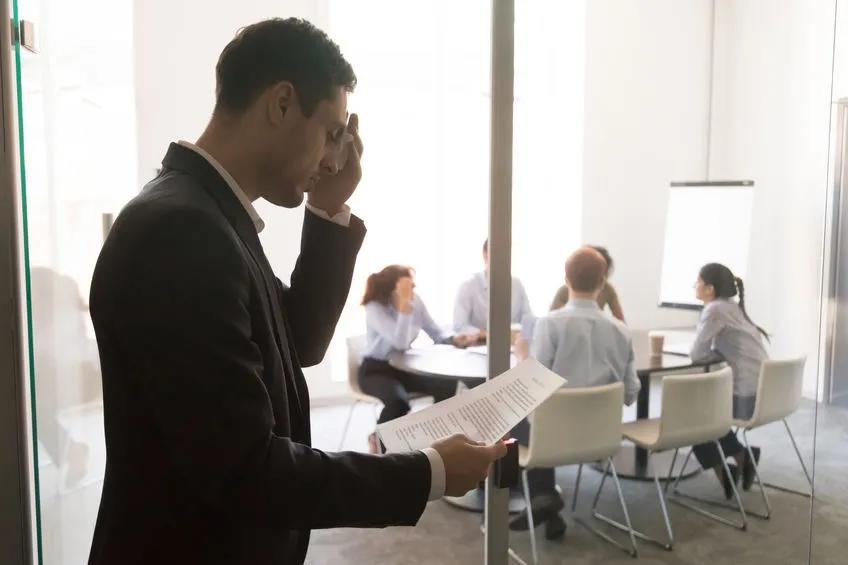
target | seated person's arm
[
  {"x": 708, "y": 328},
  {"x": 632, "y": 385},
  {"x": 615, "y": 304},
  {"x": 398, "y": 331},
  {"x": 543, "y": 347}
]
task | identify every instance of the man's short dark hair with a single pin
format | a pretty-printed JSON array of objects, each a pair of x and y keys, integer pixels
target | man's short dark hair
[{"x": 277, "y": 50}]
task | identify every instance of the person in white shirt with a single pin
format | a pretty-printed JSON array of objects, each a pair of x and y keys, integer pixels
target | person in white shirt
[
  {"x": 588, "y": 348},
  {"x": 726, "y": 333},
  {"x": 471, "y": 308},
  {"x": 394, "y": 316}
]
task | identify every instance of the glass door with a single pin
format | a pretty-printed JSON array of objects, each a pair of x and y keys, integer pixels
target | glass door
[{"x": 78, "y": 166}]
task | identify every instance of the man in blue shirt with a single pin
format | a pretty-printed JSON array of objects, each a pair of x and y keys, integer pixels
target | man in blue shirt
[
  {"x": 471, "y": 309},
  {"x": 587, "y": 347}
]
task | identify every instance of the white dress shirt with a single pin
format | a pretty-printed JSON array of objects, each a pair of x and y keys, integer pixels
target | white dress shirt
[
  {"x": 471, "y": 309},
  {"x": 437, "y": 465},
  {"x": 587, "y": 347},
  {"x": 724, "y": 333}
]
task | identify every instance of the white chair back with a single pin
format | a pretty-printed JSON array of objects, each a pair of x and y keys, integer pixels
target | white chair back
[
  {"x": 778, "y": 391},
  {"x": 576, "y": 425},
  {"x": 695, "y": 408},
  {"x": 354, "y": 347}
]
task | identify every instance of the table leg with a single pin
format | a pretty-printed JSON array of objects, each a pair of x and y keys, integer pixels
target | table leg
[
  {"x": 643, "y": 410},
  {"x": 631, "y": 462}
]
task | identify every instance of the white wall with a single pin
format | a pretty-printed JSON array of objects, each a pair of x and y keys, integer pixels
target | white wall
[
  {"x": 770, "y": 124},
  {"x": 647, "y": 70},
  {"x": 840, "y": 71},
  {"x": 647, "y": 108},
  {"x": 177, "y": 45}
]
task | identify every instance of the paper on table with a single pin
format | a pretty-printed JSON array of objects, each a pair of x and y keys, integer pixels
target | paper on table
[
  {"x": 484, "y": 413},
  {"x": 480, "y": 349}
]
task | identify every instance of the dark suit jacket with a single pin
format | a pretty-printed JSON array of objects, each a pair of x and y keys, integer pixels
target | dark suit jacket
[{"x": 205, "y": 404}]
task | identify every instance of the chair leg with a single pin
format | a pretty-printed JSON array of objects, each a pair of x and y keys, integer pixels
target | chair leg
[
  {"x": 628, "y": 527},
  {"x": 347, "y": 424},
  {"x": 514, "y": 556},
  {"x": 576, "y": 488},
  {"x": 757, "y": 478},
  {"x": 803, "y": 467},
  {"x": 663, "y": 505},
  {"x": 600, "y": 487},
  {"x": 677, "y": 495},
  {"x": 610, "y": 466},
  {"x": 733, "y": 487},
  {"x": 633, "y": 552},
  {"x": 798, "y": 453},
  {"x": 530, "y": 523},
  {"x": 671, "y": 470}
]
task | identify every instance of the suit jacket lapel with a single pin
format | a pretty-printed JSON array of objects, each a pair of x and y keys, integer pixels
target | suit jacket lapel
[{"x": 184, "y": 159}]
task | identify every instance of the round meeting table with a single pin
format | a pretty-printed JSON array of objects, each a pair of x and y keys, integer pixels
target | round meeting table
[
  {"x": 466, "y": 366},
  {"x": 470, "y": 367}
]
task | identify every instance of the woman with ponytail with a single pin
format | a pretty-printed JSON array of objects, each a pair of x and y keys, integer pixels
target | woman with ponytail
[
  {"x": 394, "y": 316},
  {"x": 726, "y": 333}
]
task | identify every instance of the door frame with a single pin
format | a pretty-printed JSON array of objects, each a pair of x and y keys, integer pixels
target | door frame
[
  {"x": 16, "y": 535},
  {"x": 835, "y": 270}
]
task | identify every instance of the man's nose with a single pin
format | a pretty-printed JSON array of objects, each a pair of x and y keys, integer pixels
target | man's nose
[{"x": 329, "y": 166}]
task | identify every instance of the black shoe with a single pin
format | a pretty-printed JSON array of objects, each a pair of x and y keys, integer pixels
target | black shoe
[
  {"x": 725, "y": 482},
  {"x": 555, "y": 528},
  {"x": 545, "y": 507},
  {"x": 748, "y": 473}
]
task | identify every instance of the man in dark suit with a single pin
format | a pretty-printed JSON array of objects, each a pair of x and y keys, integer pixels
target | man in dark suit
[{"x": 201, "y": 346}]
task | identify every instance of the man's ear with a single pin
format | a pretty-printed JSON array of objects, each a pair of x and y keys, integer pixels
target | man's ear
[{"x": 281, "y": 101}]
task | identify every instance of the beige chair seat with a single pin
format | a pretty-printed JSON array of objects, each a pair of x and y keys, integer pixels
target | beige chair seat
[
  {"x": 696, "y": 408},
  {"x": 573, "y": 427},
  {"x": 779, "y": 392},
  {"x": 643, "y": 433}
]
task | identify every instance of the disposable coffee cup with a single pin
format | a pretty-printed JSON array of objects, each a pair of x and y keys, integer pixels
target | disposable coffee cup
[{"x": 657, "y": 342}]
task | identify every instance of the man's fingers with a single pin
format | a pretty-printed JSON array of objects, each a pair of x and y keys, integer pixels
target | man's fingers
[
  {"x": 353, "y": 129},
  {"x": 496, "y": 450}
]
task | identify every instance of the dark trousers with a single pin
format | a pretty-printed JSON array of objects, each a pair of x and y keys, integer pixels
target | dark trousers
[
  {"x": 708, "y": 454},
  {"x": 392, "y": 386},
  {"x": 540, "y": 481}
]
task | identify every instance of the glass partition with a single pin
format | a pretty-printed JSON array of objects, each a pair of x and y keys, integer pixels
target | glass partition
[
  {"x": 641, "y": 100},
  {"x": 614, "y": 103},
  {"x": 78, "y": 168}
]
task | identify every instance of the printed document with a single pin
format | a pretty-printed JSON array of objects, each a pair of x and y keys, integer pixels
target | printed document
[{"x": 484, "y": 413}]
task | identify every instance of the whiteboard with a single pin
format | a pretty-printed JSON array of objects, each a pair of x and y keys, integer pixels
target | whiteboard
[{"x": 705, "y": 223}]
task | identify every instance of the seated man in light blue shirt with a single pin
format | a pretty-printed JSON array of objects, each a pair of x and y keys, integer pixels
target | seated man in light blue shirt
[
  {"x": 471, "y": 309},
  {"x": 587, "y": 347}
]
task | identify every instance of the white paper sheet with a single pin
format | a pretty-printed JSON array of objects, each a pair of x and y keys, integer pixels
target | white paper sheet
[{"x": 484, "y": 413}]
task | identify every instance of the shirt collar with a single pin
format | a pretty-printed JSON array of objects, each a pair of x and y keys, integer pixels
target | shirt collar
[
  {"x": 583, "y": 303},
  {"x": 231, "y": 182}
]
